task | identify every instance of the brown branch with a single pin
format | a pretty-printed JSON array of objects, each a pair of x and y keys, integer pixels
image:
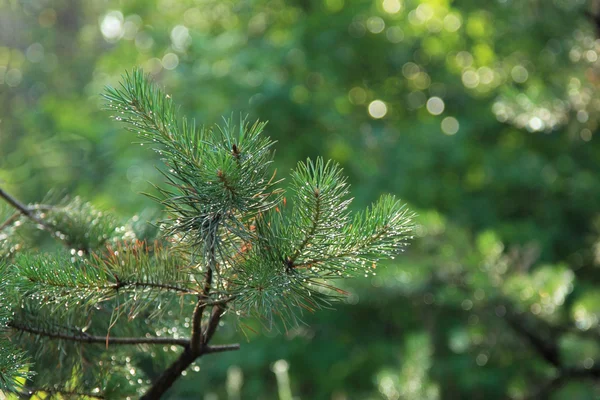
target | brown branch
[
  {"x": 198, "y": 344},
  {"x": 10, "y": 220},
  {"x": 210, "y": 238},
  {"x": 23, "y": 209},
  {"x": 213, "y": 323},
  {"x": 121, "y": 284},
  {"x": 85, "y": 338},
  {"x": 196, "y": 339},
  {"x": 221, "y": 302},
  {"x": 170, "y": 375},
  {"x": 220, "y": 348},
  {"x": 67, "y": 393}
]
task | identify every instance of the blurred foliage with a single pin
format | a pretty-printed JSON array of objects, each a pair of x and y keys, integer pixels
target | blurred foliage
[{"x": 483, "y": 115}]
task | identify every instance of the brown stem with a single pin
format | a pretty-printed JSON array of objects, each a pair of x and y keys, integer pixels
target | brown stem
[
  {"x": 85, "y": 338},
  {"x": 196, "y": 339},
  {"x": 220, "y": 348},
  {"x": 23, "y": 209},
  {"x": 63, "y": 393},
  {"x": 198, "y": 344},
  {"x": 10, "y": 220},
  {"x": 120, "y": 284},
  {"x": 213, "y": 323},
  {"x": 170, "y": 375}
]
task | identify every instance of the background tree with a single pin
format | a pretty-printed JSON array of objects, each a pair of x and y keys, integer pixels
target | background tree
[{"x": 482, "y": 116}]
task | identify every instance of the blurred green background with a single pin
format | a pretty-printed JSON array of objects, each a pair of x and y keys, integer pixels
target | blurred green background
[{"x": 482, "y": 115}]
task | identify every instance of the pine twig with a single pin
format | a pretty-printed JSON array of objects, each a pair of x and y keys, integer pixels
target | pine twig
[
  {"x": 196, "y": 338},
  {"x": 23, "y": 209},
  {"x": 10, "y": 220},
  {"x": 85, "y": 338},
  {"x": 213, "y": 323},
  {"x": 221, "y": 348},
  {"x": 64, "y": 393},
  {"x": 121, "y": 284}
]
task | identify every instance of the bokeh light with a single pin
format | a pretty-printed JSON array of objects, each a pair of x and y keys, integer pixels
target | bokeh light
[{"x": 377, "y": 109}]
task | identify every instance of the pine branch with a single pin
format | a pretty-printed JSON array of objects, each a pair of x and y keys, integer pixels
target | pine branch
[
  {"x": 136, "y": 276},
  {"x": 210, "y": 172},
  {"x": 316, "y": 220},
  {"x": 83, "y": 337},
  {"x": 198, "y": 344},
  {"x": 76, "y": 224},
  {"x": 80, "y": 225},
  {"x": 139, "y": 265}
]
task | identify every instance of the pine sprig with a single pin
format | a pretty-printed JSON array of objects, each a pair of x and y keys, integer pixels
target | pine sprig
[
  {"x": 58, "y": 277},
  {"x": 320, "y": 209},
  {"x": 139, "y": 265},
  {"x": 287, "y": 267},
  {"x": 382, "y": 230},
  {"x": 265, "y": 286},
  {"x": 218, "y": 178},
  {"x": 79, "y": 224},
  {"x": 135, "y": 277},
  {"x": 15, "y": 365}
]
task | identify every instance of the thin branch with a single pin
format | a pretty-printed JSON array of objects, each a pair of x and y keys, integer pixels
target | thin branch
[
  {"x": 220, "y": 348},
  {"x": 221, "y": 302},
  {"x": 213, "y": 323},
  {"x": 10, "y": 220},
  {"x": 196, "y": 339},
  {"x": 170, "y": 375},
  {"x": 68, "y": 393},
  {"x": 85, "y": 338},
  {"x": 23, "y": 209},
  {"x": 121, "y": 284}
]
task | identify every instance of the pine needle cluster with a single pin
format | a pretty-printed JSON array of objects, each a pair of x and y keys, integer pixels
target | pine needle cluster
[{"x": 233, "y": 241}]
